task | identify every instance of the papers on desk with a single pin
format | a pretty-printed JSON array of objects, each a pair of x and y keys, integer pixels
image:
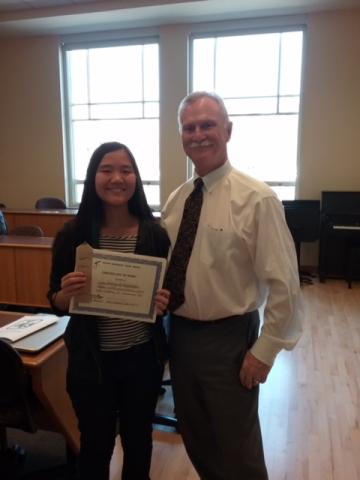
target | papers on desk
[{"x": 25, "y": 326}]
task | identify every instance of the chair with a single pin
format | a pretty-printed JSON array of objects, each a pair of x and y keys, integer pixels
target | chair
[
  {"x": 15, "y": 409},
  {"x": 30, "y": 230},
  {"x": 19, "y": 409},
  {"x": 50, "y": 203},
  {"x": 3, "y": 224},
  {"x": 162, "y": 419},
  {"x": 303, "y": 219}
]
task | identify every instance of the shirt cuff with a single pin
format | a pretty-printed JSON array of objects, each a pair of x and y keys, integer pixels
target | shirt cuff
[{"x": 265, "y": 350}]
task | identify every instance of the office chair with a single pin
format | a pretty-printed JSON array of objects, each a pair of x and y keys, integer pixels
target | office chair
[
  {"x": 3, "y": 224},
  {"x": 15, "y": 409},
  {"x": 19, "y": 409},
  {"x": 303, "y": 220},
  {"x": 160, "y": 418},
  {"x": 50, "y": 203},
  {"x": 30, "y": 230}
]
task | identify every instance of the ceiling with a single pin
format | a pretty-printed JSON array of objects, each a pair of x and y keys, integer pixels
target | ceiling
[{"x": 39, "y": 17}]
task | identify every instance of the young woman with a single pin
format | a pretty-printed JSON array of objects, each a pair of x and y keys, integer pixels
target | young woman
[{"x": 115, "y": 365}]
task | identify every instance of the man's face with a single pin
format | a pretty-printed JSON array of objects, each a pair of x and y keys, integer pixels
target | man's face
[{"x": 205, "y": 133}]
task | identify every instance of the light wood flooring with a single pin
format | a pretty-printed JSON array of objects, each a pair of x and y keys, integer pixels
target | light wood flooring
[{"x": 310, "y": 405}]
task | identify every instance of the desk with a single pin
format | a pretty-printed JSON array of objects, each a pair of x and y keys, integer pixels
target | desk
[
  {"x": 50, "y": 221},
  {"x": 48, "y": 373},
  {"x": 25, "y": 267}
]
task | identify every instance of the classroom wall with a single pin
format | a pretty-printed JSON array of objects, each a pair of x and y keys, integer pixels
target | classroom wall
[
  {"x": 31, "y": 148},
  {"x": 31, "y": 152},
  {"x": 329, "y": 148},
  {"x": 329, "y": 154}
]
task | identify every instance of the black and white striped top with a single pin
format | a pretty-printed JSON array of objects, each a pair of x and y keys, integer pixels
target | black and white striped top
[{"x": 119, "y": 333}]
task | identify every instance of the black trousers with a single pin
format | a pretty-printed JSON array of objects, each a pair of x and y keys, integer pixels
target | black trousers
[
  {"x": 124, "y": 402},
  {"x": 218, "y": 417}
]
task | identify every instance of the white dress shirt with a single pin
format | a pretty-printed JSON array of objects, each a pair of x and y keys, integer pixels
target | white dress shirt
[{"x": 243, "y": 255}]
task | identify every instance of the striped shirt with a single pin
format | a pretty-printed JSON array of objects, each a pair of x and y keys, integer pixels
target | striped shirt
[{"x": 120, "y": 333}]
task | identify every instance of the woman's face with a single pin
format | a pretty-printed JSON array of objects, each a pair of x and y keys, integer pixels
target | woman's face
[{"x": 115, "y": 179}]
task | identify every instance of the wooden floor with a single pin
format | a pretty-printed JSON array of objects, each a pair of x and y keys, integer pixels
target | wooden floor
[{"x": 310, "y": 405}]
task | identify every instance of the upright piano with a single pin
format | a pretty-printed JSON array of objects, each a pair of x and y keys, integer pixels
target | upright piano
[{"x": 339, "y": 231}]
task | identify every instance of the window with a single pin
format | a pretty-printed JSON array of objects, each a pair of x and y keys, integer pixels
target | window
[
  {"x": 258, "y": 76},
  {"x": 112, "y": 94}
]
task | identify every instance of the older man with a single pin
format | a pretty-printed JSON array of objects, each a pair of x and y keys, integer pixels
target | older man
[{"x": 241, "y": 256}]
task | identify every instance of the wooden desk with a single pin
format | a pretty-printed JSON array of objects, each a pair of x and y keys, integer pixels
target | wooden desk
[
  {"x": 25, "y": 269},
  {"x": 48, "y": 373},
  {"x": 50, "y": 221}
]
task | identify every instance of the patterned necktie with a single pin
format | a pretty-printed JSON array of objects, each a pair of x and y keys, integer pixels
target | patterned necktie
[{"x": 176, "y": 273}]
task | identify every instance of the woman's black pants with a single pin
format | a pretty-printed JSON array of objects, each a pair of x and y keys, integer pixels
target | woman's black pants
[{"x": 124, "y": 402}]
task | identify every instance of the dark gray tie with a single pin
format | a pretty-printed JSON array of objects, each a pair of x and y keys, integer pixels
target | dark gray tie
[{"x": 176, "y": 273}]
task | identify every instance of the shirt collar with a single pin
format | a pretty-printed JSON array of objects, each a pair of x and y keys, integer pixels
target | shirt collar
[{"x": 212, "y": 178}]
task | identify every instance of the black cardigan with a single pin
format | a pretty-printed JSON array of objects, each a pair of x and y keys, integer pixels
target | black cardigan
[{"x": 81, "y": 335}]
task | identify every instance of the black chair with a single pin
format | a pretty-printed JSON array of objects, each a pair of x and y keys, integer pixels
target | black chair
[
  {"x": 50, "y": 203},
  {"x": 14, "y": 408},
  {"x": 160, "y": 418},
  {"x": 303, "y": 220},
  {"x": 19, "y": 409},
  {"x": 3, "y": 224},
  {"x": 29, "y": 230}
]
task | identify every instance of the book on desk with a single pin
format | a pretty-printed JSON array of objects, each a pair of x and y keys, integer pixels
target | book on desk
[{"x": 32, "y": 333}]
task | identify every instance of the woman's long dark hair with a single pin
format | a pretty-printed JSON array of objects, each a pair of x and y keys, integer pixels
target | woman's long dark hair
[{"x": 91, "y": 210}]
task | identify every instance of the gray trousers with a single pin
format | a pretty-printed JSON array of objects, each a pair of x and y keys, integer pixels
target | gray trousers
[{"x": 218, "y": 417}]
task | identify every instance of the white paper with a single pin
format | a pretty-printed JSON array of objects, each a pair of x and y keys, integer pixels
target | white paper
[{"x": 25, "y": 326}]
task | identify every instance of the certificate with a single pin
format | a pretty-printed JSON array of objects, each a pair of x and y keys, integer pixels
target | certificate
[{"x": 120, "y": 285}]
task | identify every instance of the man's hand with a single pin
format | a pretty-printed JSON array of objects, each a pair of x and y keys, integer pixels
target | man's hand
[{"x": 253, "y": 371}]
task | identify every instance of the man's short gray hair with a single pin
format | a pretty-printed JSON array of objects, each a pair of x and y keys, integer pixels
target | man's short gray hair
[{"x": 193, "y": 97}]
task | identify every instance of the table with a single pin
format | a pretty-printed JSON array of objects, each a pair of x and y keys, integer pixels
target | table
[
  {"x": 50, "y": 221},
  {"x": 25, "y": 269},
  {"x": 48, "y": 373}
]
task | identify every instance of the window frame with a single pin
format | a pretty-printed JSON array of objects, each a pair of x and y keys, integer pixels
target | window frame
[
  {"x": 256, "y": 30},
  {"x": 71, "y": 183}
]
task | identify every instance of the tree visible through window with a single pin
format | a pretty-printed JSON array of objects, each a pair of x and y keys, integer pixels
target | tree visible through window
[
  {"x": 259, "y": 78},
  {"x": 112, "y": 94}
]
